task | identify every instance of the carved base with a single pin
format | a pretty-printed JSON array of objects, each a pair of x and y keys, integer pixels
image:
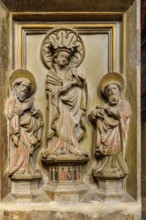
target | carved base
[
  {"x": 111, "y": 189},
  {"x": 66, "y": 192},
  {"x": 65, "y": 159},
  {"x": 110, "y": 186},
  {"x": 24, "y": 189},
  {"x": 26, "y": 177},
  {"x": 65, "y": 178}
]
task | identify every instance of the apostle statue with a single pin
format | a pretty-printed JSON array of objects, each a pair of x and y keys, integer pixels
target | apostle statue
[
  {"x": 111, "y": 122},
  {"x": 25, "y": 125},
  {"x": 66, "y": 92}
]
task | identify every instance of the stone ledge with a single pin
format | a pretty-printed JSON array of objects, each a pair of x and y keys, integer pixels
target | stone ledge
[
  {"x": 41, "y": 215},
  {"x": 69, "y": 210}
]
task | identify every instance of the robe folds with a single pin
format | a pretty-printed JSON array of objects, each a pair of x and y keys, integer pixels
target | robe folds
[
  {"x": 66, "y": 111},
  {"x": 111, "y": 137},
  {"x": 25, "y": 137},
  {"x": 111, "y": 131}
]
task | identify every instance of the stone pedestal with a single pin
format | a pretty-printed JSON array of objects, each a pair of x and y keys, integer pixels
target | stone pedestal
[
  {"x": 65, "y": 180},
  {"x": 23, "y": 188},
  {"x": 111, "y": 189},
  {"x": 110, "y": 186},
  {"x": 66, "y": 191}
]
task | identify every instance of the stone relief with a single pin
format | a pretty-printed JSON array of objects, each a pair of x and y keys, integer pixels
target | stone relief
[
  {"x": 111, "y": 121},
  {"x": 107, "y": 30},
  {"x": 62, "y": 52},
  {"x": 25, "y": 125}
]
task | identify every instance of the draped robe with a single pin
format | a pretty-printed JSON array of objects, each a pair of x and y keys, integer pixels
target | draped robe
[
  {"x": 25, "y": 136},
  {"x": 66, "y": 112},
  {"x": 111, "y": 139}
]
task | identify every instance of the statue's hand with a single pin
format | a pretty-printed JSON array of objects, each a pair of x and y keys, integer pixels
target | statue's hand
[
  {"x": 79, "y": 80},
  {"x": 15, "y": 139},
  {"x": 27, "y": 105},
  {"x": 74, "y": 82},
  {"x": 66, "y": 87},
  {"x": 100, "y": 113},
  {"x": 113, "y": 112},
  {"x": 35, "y": 113},
  {"x": 97, "y": 113}
]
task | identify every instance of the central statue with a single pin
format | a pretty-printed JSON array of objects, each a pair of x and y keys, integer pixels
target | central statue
[{"x": 62, "y": 51}]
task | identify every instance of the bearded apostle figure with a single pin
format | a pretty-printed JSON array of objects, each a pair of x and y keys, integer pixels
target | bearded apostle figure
[
  {"x": 25, "y": 125},
  {"x": 111, "y": 121}
]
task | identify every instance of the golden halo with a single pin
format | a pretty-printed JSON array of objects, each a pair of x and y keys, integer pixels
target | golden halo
[
  {"x": 62, "y": 38},
  {"x": 21, "y": 73},
  {"x": 112, "y": 78}
]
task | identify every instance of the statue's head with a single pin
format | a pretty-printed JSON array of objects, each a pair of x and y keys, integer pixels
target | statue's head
[
  {"x": 111, "y": 86},
  {"x": 112, "y": 92},
  {"x": 62, "y": 58},
  {"x": 22, "y": 88},
  {"x": 22, "y": 82}
]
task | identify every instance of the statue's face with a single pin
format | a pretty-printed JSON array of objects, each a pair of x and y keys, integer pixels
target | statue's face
[
  {"x": 113, "y": 94},
  {"x": 22, "y": 90},
  {"x": 62, "y": 58}
]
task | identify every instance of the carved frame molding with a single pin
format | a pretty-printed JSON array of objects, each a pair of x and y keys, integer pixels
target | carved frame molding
[{"x": 25, "y": 25}]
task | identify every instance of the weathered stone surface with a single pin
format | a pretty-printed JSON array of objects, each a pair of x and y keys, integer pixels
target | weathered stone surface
[
  {"x": 67, "y": 5},
  {"x": 132, "y": 79},
  {"x": 70, "y": 210},
  {"x": 41, "y": 215},
  {"x": 4, "y": 73}
]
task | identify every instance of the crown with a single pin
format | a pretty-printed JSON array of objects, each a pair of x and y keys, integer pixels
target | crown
[{"x": 57, "y": 48}]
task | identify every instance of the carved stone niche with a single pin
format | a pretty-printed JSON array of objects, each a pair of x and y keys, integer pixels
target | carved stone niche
[
  {"x": 101, "y": 39},
  {"x": 62, "y": 52}
]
